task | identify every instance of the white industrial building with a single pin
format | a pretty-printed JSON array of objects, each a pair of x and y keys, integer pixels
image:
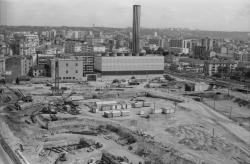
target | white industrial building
[{"x": 129, "y": 65}]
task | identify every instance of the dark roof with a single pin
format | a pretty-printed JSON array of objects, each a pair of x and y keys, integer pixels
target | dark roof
[{"x": 191, "y": 60}]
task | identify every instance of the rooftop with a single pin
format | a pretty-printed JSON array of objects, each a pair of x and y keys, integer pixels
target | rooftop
[{"x": 192, "y": 60}]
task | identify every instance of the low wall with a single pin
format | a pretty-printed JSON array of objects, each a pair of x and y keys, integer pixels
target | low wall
[{"x": 10, "y": 152}]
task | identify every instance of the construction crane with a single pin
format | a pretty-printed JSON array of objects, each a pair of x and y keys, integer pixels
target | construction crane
[
  {"x": 68, "y": 101},
  {"x": 25, "y": 98}
]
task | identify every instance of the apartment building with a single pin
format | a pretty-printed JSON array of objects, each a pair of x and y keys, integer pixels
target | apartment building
[
  {"x": 212, "y": 66},
  {"x": 25, "y": 44},
  {"x": 77, "y": 46},
  {"x": 17, "y": 66}
]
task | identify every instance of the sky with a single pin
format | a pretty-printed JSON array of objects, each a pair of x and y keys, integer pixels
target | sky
[{"x": 214, "y": 15}]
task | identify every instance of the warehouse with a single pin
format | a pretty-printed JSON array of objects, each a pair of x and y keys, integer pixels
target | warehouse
[{"x": 129, "y": 65}]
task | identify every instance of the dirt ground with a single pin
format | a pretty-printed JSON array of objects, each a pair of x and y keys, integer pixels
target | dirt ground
[
  {"x": 240, "y": 114},
  {"x": 192, "y": 134}
]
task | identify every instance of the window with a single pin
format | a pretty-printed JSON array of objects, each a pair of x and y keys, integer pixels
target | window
[
  {"x": 63, "y": 77},
  {"x": 76, "y": 64},
  {"x": 69, "y": 77},
  {"x": 76, "y": 71},
  {"x": 67, "y": 64},
  {"x": 73, "y": 77},
  {"x": 67, "y": 71}
]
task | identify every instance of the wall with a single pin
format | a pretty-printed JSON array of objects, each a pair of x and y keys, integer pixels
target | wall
[{"x": 129, "y": 63}]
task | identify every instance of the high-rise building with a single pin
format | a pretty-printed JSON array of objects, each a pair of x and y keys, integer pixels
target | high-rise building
[
  {"x": 17, "y": 66},
  {"x": 73, "y": 45},
  {"x": 25, "y": 44},
  {"x": 77, "y": 46},
  {"x": 136, "y": 29},
  {"x": 200, "y": 52},
  {"x": 83, "y": 51},
  {"x": 208, "y": 43}
]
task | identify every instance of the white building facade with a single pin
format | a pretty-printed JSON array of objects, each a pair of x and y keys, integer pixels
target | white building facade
[{"x": 129, "y": 65}]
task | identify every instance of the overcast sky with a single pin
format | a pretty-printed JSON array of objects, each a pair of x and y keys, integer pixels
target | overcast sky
[{"x": 223, "y": 15}]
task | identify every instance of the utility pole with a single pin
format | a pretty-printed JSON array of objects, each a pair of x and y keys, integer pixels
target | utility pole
[
  {"x": 214, "y": 101},
  {"x": 231, "y": 112},
  {"x": 154, "y": 106},
  {"x": 247, "y": 91},
  {"x": 213, "y": 132}
]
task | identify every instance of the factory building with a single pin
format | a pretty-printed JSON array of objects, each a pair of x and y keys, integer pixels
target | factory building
[
  {"x": 69, "y": 69},
  {"x": 129, "y": 65}
]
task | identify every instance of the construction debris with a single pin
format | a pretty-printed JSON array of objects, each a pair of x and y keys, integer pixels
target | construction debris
[
  {"x": 108, "y": 158},
  {"x": 70, "y": 128}
]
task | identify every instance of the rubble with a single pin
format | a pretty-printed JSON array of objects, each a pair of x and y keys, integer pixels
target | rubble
[{"x": 64, "y": 128}]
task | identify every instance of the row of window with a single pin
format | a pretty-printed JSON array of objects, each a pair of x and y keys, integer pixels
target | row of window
[
  {"x": 68, "y": 78},
  {"x": 68, "y": 71},
  {"x": 67, "y": 64}
]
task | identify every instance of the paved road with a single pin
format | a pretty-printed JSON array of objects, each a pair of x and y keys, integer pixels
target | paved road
[{"x": 4, "y": 158}]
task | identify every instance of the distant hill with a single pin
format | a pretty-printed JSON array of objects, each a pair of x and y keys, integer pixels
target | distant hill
[{"x": 169, "y": 32}]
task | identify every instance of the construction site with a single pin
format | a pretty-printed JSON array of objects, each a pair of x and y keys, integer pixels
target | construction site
[{"x": 119, "y": 120}]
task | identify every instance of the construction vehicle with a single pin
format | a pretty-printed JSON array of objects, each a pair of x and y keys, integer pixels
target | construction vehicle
[
  {"x": 17, "y": 105},
  {"x": 48, "y": 84},
  {"x": 61, "y": 158},
  {"x": 69, "y": 105},
  {"x": 2, "y": 80},
  {"x": 53, "y": 117},
  {"x": 68, "y": 101},
  {"x": 1, "y": 90},
  {"x": 26, "y": 98},
  {"x": 92, "y": 161},
  {"x": 48, "y": 110}
]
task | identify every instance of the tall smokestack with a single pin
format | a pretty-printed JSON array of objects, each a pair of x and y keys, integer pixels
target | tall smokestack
[{"x": 136, "y": 29}]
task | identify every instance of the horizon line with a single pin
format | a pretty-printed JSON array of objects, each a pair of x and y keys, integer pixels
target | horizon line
[{"x": 158, "y": 28}]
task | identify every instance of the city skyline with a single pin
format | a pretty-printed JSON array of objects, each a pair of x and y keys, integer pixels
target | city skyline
[{"x": 231, "y": 15}]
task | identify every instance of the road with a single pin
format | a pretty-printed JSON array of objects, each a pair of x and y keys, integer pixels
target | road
[
  {"x": 238, "y": 132},
  {"x": 4, "y": 158}
]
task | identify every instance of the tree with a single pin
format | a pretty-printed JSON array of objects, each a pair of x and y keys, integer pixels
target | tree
[
  {"x": 30, "y": 73},
  {"x": 17, "y": 81},
  {"x": 115, "y": 81},
  {"x": 132, "y": 77}
]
